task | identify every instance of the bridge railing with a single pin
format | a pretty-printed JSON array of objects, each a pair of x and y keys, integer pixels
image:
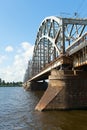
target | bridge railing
[{"x": 77, "y": 45}]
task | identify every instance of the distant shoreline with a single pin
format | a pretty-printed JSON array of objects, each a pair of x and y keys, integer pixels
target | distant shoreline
[{"x": 11, "y": 86}]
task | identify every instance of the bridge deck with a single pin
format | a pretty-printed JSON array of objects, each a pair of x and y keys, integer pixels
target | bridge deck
[{"x": 44, "y": 73}]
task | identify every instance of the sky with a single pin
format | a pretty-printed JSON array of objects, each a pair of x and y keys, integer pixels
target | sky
[{"x": 19, "y": 23}]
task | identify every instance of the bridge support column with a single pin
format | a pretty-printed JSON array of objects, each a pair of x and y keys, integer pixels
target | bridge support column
[
  {"x": 66, "y": 90},
  {"x": 34, "y": 85}
]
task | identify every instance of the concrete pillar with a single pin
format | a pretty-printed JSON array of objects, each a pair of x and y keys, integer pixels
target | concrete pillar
[
  {"x": 35, "y": 85},
  {"x": 66, "y": 90}
]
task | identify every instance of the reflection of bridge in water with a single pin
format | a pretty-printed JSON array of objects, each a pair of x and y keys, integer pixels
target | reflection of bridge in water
[{"x": 60, "y": 55}]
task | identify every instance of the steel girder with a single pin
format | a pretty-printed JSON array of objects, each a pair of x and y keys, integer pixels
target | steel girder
[{"x": 53, "y": 36}]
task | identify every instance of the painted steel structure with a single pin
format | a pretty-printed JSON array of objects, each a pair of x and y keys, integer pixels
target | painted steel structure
[{"x": 54, "y": 37}]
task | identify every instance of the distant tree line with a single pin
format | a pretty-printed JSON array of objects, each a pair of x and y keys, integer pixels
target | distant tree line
[{"x": 9, "y": 84}]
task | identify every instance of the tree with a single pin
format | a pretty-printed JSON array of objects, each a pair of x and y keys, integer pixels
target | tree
[
  {"x": 3, "y": 82},
  {"x": 0, "y": 81}
]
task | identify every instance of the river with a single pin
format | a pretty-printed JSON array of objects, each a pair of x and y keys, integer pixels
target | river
[{"x": 17, "y": 113}]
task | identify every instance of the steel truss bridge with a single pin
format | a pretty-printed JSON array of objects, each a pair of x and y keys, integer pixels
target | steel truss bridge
[{"x": 60, "y": 43}]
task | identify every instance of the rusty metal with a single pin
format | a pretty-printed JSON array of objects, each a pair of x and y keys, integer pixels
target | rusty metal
[{"x": 54, "y": 36}]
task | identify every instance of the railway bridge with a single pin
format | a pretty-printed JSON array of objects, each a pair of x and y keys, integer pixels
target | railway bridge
[{"x": 59, "y": 55}]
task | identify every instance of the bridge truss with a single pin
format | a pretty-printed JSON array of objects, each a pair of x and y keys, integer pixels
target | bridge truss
[{"x": 54, "y": 35}]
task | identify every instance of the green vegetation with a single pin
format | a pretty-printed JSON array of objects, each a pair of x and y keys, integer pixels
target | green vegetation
[{"x": 9, "y": 84}]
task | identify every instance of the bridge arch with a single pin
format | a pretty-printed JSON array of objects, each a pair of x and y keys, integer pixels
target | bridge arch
[
  {"x": 55, "y": 36},
  {"x": 45, "y": 49}
]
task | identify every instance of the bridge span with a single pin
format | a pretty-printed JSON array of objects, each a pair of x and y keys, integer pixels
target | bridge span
[{"x": 60, "y": 55}]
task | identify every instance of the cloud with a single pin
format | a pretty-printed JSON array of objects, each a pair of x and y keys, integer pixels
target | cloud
[
  {"x": 9, "y": 49},
  {"x": 26, "y": 45},
  {"x": 2, "y": 58},
  {"x": 15, "y": 71},
  {"x": 27, "y": 49}
]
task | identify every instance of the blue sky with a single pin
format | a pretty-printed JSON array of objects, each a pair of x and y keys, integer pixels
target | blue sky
[{"x": 19, "y": 22}]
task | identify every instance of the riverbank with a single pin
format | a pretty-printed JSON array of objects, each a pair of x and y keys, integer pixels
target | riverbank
[{"x": 11, "y": 84}]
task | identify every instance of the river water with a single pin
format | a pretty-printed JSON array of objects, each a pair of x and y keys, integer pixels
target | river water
[{"x": 17, "y": 113}]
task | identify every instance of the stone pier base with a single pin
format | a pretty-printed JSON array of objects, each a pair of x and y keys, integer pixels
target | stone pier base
[
  {"x": 34, "y": 85},
  {"x": 66, "y": 90}
]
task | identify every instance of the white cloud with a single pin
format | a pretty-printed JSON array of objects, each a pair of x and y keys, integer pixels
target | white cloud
[
  {"x": 25, "y": 45},
  {"x": 2, "y": 58},
  {"x": 28, "y": 50},
  {"x": 9, "y": 49},
  {"x": 15, "y": 71}
]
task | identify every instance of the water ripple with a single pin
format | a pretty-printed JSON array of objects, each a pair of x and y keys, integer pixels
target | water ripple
[{"x": 17, "y": 113}]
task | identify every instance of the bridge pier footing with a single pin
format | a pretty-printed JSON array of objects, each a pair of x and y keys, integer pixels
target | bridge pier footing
[
  {"x": 66, "y": 90},
  {"x": 34, "y": 85}
]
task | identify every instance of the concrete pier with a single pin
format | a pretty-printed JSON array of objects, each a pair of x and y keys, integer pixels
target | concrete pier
[
  {"x": 35, "y": 85},
  {"x": 66, "y": 90}
]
